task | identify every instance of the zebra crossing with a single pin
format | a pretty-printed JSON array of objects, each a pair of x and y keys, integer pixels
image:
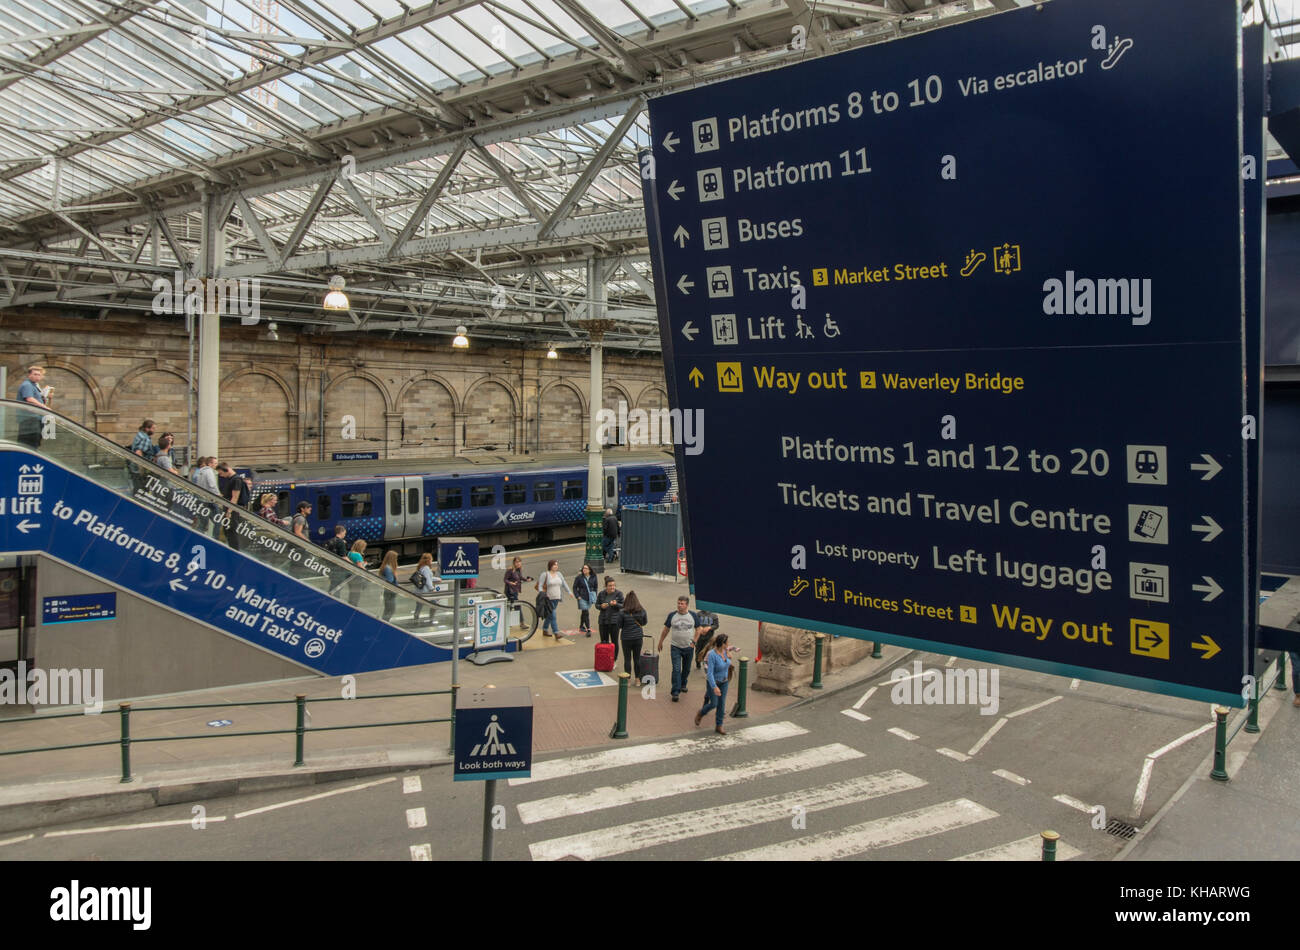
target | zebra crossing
[{"x": 704, "y": 799}]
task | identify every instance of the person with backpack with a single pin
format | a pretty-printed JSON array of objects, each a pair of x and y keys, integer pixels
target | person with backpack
[
  {"x": 684, "y": 625},
  {"x": 338, "y": 546},
  {"x": 553, "y": 585},
  {"x": 631, "y": 631},
  {"x": 423, "y": 580}
]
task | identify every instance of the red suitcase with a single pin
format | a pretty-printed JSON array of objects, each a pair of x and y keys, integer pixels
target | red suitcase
[{"x": 604, "y": 657}]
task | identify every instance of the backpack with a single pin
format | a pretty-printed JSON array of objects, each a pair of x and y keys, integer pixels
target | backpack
[
  {"x": 337, "y": 546},
  {"x": 417, "y": 580}
]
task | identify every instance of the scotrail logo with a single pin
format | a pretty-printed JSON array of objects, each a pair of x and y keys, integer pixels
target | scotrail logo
[
  {"x": 514, "y": 517},
  {"x": 53, "y": 687},
  {"x": 134, "y": 904},
  {"x": 653, "y": 427},
  {"x": 223, "y": 295}
]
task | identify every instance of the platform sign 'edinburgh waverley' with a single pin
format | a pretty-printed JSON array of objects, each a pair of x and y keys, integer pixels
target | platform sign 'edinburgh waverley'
[{"x": 971, "y": 356}]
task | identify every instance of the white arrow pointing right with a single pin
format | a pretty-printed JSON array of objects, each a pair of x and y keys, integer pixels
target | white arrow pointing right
[
  {"x": 1210, "y": 529},
  {"x": 1210, "y": 467},
  {"x": 1210, "y": 588}
]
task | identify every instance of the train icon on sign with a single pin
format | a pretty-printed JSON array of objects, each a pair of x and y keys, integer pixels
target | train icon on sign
[
  {"x": 710, "y": 184},
  {"x": 704, "y": 135}
]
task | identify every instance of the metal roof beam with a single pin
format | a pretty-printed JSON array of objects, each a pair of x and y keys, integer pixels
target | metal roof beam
[{"x": 591, "y": 171}]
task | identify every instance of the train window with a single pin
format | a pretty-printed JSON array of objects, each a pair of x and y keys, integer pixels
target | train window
[
  {"x": 413, "y": 501},
  {"x": 543, "y": 491},
  {"x": 481, "y": 495},
  {"x": 323, "y": 507},
  {"x": 515, "y": 494},
  {"x": 356, "y": 504},
  {"x": 282, "y": 507},
  {"x": 449, "y": 498},
  {"x": 571, "y": 488},
  {"x": 658, "y": 483},
  {"x": 395, "y": 501},
  {"x": 634, "y": 485}
]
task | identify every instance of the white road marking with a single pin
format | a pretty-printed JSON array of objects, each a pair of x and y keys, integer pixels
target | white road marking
[
  {"x": 1148, "y": 766},
  {"x": 416, "y": 818},
  {"x": 904, "y": 734},
  {"x": 143, "y": 824},
  {"x": 880, "y": 833},
  {"x": 411, "y": 784},
  {"x": 421, "y": 852},
  {"x": 1074, "y": 684},
  {"x": 988, "y": 735},
  {"x": 951, "y": 661},
  {"x": 656, "y": 751},
  {"x": 1075, "y": 803},
  {"x": 313, "y": 798},
  {"x": 662, "y": 786},
  {"x": 651, "y": 832},
  {"x": 1026, "y": 849},
  {"x": 1010, "y": 776},
  {"x": 1045, "y": 702},
  {"x": 954, "y": 754},
  {"x": 16, "y": 840},
  {"x": 865, "y": 696},
  {"x": 854, "y": 714}
]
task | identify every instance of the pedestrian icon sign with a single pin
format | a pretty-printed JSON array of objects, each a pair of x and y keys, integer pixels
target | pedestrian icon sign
[
  {"x": 458, "y": 557},
  {"x": 494, "y": 733},
  {"x": 493, "y": 744}
]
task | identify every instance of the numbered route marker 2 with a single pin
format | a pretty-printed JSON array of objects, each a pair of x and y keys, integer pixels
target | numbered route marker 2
[{"x": 997, "y": 416}]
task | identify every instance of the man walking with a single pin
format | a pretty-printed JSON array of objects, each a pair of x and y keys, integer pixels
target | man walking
[
  {"x": 684, "y": 625},
  {"x": 611, "y": 533},
  {"x": 31, "y": 391}
]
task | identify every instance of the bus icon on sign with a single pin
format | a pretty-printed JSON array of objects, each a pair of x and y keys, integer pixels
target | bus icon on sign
[{"x": 715, "y": 234}]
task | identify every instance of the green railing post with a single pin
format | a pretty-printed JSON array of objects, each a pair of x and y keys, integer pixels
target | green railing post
[
  {"x": 1280, "y": 682},
  {"x": 1049, "y": 844},
  {"x": 301, "y": 728},
  {"x": 124, "y": 716},
  {"x": 1252, "y": 717},
  {"x": 740, "y": 712},
  {"x": 1219, "y": 773},
  {"x": 620, "y": 726},
  {"x": 876, "y": 651},
  {"x": 817, "y": 660},
  {"x": 455, "y": 687}
]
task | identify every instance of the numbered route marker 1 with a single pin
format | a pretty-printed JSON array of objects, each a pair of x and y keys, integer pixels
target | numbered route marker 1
[{"x": 1000, "y": 420}]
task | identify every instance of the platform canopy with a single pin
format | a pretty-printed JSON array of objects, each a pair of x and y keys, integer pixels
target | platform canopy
[{"x": 457, "y": 162}]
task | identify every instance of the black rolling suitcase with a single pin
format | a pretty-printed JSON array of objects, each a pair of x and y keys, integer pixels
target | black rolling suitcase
[{"x": 647, "y": 664}]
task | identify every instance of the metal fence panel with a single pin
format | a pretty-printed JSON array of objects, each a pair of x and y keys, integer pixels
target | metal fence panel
[{"x": 652, "y": 536}]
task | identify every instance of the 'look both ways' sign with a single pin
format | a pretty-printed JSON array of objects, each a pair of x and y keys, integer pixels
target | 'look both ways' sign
[{"x": 970, "y": 357}]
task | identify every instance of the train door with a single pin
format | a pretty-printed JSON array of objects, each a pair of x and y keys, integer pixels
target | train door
[
  {"x": 414, "y": 506},
  {"x": 611, "y": 487},
  {"x": 394, "y": 508}
]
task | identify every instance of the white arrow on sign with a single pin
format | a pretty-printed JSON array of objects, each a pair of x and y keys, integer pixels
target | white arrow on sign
[
  {"x": 1210, "y": 588},
  {"x": 690, "y": 330},
  {"x": 24, "y": 526},
  {"x": 670, "y": 140},
  {"x": 683, "y": 283},
  {"x": 674, "y": 190},
  {"x": 1210, "y": 467},
  {"x": 178, "y": 584},
  {"x": 1210, "y": 529},
  {"x": 681, "y": 236}
]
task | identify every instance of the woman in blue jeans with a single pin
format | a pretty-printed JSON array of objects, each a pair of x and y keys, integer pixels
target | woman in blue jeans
[
  {"x": 553, "y": 585},
  {"x": 717, "y": 668}
]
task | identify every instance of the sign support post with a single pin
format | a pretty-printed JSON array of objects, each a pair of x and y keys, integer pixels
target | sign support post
[{"x": 489, "y": 802}]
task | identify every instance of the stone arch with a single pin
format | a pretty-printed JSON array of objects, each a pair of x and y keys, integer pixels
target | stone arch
[
  {"x": 426, "y": 419},
  {"x": 256, "y": 416},
  {"x": 85, "y": 409},
  {"x": 426, "y": 376},
  {"x": 152, "y": 390},
  {"x": 489, "y": 417},
  {"x": 654, "y": 396},
  {"x": 563, "y": 414},
  {"x": 362, "y": 396},
  {"x": 612, "y": 394}
]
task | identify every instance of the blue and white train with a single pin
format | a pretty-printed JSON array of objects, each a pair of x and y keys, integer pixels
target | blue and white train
[{"x": 406, "y": 504}]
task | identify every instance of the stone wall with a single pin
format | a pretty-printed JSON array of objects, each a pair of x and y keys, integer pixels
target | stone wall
[{"x": 404, "y": 398}]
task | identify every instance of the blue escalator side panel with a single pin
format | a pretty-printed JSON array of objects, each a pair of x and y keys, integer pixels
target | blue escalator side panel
[{"x": 45, "y": 507}]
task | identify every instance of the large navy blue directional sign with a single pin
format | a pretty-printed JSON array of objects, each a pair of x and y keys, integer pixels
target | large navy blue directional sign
[
  {"x": 45, "y": 507},
  {"x": 494, "y": 734},
  {"x": 458, "y": 557},
  {"x": 969, "y": 357}
]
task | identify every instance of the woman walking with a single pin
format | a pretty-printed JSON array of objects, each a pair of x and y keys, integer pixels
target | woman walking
[
  {"x": 718, "y": 669},
  {"x": 267, "y": 510},
  {"x": 630, "y": 632},
  {"x": 425, "y": 569},
  {"x": 514, "y": 580},
  {"x": 553, "y": 585},
  {"x": 388, "y": 571},
  {"x": 358, "y": 557},
  {"x": 585, "y": 590}
]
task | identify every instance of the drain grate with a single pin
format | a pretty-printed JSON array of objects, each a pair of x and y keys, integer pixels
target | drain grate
[{"x": 1120, "y": 829}]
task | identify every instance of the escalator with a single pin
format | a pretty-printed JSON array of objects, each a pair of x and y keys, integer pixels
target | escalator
[{"x": 88, "y": 507}]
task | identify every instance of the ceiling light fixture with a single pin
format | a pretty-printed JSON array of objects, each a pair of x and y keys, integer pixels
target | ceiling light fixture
[
  {"x": 551, "y": 354},
  {"x": 336, "y": 299},
  {"x": 460, "y": 340}
]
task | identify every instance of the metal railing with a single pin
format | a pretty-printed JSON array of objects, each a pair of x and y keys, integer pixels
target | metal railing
[
  {"x": 300, "y": 729},
  {"x": 1274, "y": 677}
]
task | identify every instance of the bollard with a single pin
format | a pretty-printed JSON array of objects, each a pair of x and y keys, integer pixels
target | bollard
[
  {"x": 620, "y": 726},
  {"x": 1049, "y": 844},
  {"x": 1252, "y": 715},
  {"x": 301, "y": 728},
  {"x": 1219, "y": 773},
  {"x": 817, "y": 660},
  {"x": 124, "y": 714},
  {"x": 1280, "y": 682},
  {"x": 740, "y": 712},
  {"x": 875, "y": 651},
  {"x": 451, "y": 728}
]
